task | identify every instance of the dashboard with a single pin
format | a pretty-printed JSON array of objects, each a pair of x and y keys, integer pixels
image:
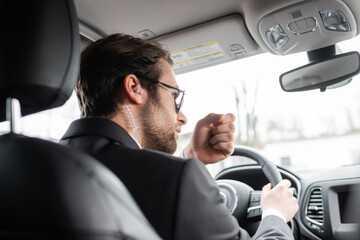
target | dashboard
[{"x": 328, "y": 199}]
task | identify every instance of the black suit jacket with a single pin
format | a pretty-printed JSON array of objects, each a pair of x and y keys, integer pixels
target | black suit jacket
[{"x": 178, "y": 196}]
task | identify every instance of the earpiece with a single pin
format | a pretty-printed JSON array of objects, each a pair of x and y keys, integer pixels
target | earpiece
[
  {"x": 130, "y": 117},
  {"x": 138, "y": 89}
]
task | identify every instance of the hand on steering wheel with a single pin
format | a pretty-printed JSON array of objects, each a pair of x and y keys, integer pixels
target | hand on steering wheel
[{"x": 244, "y": 203}]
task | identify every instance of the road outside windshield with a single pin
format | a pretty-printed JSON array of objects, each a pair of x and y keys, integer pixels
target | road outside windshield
[{"x": 299, "y": 131}]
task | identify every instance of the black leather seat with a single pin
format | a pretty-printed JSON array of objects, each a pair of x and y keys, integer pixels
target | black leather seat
[{"x": 49, "y": 191}]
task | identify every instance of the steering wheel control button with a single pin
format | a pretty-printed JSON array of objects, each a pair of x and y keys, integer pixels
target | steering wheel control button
[
  {"x": 254, "y": 213},
  {"x": 255, "y": 197},
  {"x": 254, "y": 210}
]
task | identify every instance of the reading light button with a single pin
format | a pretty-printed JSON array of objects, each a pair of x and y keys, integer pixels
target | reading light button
[{"x": 302, "y": 26}]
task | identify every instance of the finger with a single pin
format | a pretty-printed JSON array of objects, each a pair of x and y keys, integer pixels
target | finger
[
  {"x": 226, "y": 147},
  {"x": 223, "y": 137},
  {"x": 211, "y": 118},
  {"x": 228, "y": 118},
  {"x": 223, "y": 129},
  {"x": 266, "y": 188},
  {"x": 284, "y": 183},
  {"x": 291, "y": 193}
]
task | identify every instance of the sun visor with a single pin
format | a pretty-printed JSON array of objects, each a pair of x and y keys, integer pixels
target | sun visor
[{"x": 218, "y": 41}]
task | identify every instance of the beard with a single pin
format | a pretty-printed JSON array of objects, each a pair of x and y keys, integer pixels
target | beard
[{"x": 157, "y": 132}]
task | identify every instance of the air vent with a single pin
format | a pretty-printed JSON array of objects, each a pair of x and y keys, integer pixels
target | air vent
[{"x": 315, "y": 210}]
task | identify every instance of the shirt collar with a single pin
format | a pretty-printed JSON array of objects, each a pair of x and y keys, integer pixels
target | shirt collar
[{"x": 96, "y": 126}]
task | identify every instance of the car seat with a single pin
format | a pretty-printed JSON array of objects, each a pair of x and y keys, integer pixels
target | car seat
[{"x": 50, "y": 191}]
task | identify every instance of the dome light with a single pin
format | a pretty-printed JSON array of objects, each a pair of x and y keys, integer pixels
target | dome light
[
  {"x": 276, "y": 37},
  {"x": 335, "y": 20}
]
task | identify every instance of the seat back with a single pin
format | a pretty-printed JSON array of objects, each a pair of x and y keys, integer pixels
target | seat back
[
  {"x": 39, "y": 53},
  {"x": 49, "y": 191}
]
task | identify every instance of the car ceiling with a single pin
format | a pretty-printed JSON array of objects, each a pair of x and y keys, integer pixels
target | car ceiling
[
  {"x": 165, "y": 18},
  {"x": 132, "y": 17}
]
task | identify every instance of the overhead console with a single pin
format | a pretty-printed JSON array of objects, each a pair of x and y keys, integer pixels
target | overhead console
[
  {"x": 306, "y": 26},
  {"x": 210, "y": 43}
]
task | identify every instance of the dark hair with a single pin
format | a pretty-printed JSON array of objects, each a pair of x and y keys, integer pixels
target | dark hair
[{"x": 104, "y": 65}]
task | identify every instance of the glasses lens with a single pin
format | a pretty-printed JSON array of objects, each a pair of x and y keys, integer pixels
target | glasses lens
[{"x": 179, "y": 101}]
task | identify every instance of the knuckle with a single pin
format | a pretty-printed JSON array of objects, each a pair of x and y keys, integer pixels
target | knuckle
[
  {"x": 215, "y": 130},
  {"x": 230, "y": 147},
  {"x": 230, "y": 136},
  {"x": 214, "y": 140},
  {"x": 219, "y": 146},
  {"x": 281, "y": 187},
  {"x": 210, "y": 115}
]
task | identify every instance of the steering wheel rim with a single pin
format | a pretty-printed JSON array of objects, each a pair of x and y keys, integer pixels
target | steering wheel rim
[
  {"x": 269, "y": 169},
  {"x": 240, "y": 198}
]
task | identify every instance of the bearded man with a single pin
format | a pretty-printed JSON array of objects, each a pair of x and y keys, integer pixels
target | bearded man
[{"x": 131, "y": 120}]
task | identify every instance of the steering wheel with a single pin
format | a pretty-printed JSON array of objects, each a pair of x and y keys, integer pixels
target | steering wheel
[{"x": 240, "y": 199}]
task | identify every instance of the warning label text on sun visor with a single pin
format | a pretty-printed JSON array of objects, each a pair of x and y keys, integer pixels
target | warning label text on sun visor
[{"x": 197, "y": 55}]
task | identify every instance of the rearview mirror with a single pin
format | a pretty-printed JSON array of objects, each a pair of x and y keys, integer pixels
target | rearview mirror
[{"x": 321, "y": 74}]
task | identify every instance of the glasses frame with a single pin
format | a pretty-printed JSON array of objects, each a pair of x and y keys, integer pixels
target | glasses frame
[{"x": 178, "y": 106}]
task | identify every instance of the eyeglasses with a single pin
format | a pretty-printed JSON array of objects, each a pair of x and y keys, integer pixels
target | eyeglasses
[{"x": 178, "y": 96}]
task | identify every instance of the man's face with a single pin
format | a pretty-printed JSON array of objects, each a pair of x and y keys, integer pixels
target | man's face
[{"x": 161, "y": 124}]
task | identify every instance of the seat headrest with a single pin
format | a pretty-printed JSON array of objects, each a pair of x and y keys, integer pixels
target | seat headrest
[{"x": 40, "y": 53}]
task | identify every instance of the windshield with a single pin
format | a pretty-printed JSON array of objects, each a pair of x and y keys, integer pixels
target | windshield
[{"x": 299, "y": 131}]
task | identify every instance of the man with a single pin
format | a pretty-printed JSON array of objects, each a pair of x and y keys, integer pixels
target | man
[{"x": 129, "y": 100}]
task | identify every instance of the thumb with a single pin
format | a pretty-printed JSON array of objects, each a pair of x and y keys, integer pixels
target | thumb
[
  {"x": 211, "y": 118},
  {"x": 229, "y": 118}
]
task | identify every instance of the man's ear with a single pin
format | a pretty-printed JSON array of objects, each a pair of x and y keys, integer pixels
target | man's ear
[{"x": 133, "y": 89}]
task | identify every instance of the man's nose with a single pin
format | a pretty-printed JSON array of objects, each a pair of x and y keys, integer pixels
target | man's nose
[{"x": 181, "y": 118}]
